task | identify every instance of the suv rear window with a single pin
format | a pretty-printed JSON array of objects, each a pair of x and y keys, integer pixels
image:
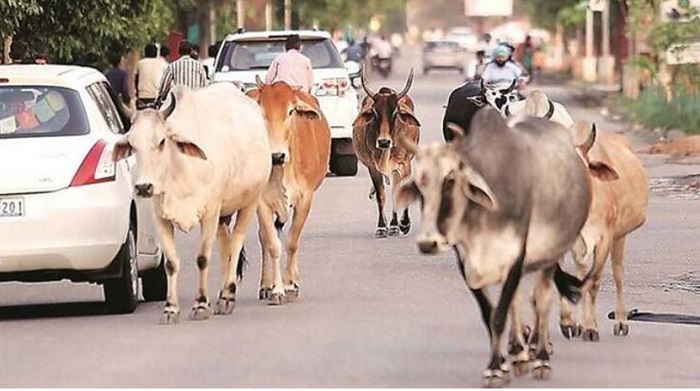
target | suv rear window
[
  {"x": 441, "y": 45},
  {"x": 35, "y": 111},
  {"x": 258, "y": 54}
]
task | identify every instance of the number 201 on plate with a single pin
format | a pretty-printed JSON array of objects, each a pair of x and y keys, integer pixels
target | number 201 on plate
[{"x": 11, "y": 207}]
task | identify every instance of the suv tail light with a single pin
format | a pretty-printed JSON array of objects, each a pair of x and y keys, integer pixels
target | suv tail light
[
  {"x": 97, "y": 166},
  {"x": 333, "y": 87}
]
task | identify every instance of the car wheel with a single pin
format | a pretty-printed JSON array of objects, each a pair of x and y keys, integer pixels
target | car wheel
[
  {"x": 344, "y": 165},
  {"x": 121, "y": 294},
  {"x": 155, "y": 283}
]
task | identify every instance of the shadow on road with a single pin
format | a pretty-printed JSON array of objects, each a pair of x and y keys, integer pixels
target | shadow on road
[{"x": 55, "y": 310}]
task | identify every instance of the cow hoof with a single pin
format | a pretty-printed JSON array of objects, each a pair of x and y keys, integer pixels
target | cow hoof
[
  {"x": 541, "y": 370},
  {"x": 276, "y": 299},
  {"x": 372, "y": 194},
  {"x": 170, "y": 317},
  {"x": 405, "y": 229},
  {"x": 621, "y": 329},
  {"x": 590, "y": 336},
  {"x": 394, "y": 231},
  {"x": 570, "y": 331},
  {"x": 493, "y": 378},
  {"x": 264, "y": 293},
  {"x": 200, "y": 311},
  {"x": 381, "y": 233},
  {"x": 521, "y": 367},
  {"x": 526, "y": 333},
  {"x": 291, "y": 293},
  {"x": 225, "y": 306}
]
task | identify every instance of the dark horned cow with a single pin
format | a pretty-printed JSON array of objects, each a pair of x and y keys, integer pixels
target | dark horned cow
[
  {"x": 465, "y": 100},
  {"x": 385, "y": 116},
  {"x": 511, "y": 199}
]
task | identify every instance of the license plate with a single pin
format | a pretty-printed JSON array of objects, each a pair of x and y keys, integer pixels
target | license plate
[{"x": 12, "y": 207}]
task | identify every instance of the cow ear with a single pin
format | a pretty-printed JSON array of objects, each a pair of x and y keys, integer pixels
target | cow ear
[
  {"x": 122, "y": 149},
  {"x": 306, "y": 110},
  {"x": 602, "y": 171},
  {"x": 187, "y": 147},
  {"x": 254, "y": 94},
  {"x": 475, "y": 188},
  {"x": 406, "y": 194},
  {"x": 408, "y": 117},
  {"x": 363, "y": 118}
]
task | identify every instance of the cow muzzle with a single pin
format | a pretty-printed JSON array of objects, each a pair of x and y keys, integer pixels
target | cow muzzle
[
  {"x": 144, "y": 190},
  {"x": 278, "y": 158},
  {"x": 384, "y": 143},
  {"x": 432, "y": 244}
]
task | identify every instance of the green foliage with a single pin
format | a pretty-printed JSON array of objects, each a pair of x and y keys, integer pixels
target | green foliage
[
  {"x": 13, "y": 12},
  {"x": 545, "y": 13},
  {"x": 653, "y": 110},
  {"x": 68, "y": 31},
  {"x": 336, "y": 14}
]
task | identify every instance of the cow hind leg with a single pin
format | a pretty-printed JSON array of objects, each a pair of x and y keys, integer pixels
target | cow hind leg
[
  {"x": 600, "y": 254},
  {"x": 568, "y": 325},
  {"x": 621, "y": 327},
  {"x": 380, "y": 196},
  {"x": 405, "y": 225},
  {"x": 394, "y": 228},
  {"x": 291, "y": 275}
]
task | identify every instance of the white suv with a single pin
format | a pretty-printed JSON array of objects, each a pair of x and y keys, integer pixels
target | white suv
[
  {"x": 66, "y": 210},
  {"x": 244, "y": 55}
]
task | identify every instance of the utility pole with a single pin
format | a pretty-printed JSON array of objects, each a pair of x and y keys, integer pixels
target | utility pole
[
  {"x": 607, "y": 62},
  {"x": 589, "y": 61},
  {"x": 287, "y": 14},
  {"x": 240, "y": 13},
  {"x": 268, "y": 15}
]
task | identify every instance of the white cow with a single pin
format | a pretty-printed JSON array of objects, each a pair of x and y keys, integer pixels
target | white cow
[
  {"x": 203, "y": 157},
  {"x": 537, "y": 104}
]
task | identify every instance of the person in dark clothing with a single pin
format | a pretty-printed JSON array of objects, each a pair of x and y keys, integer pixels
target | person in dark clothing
[
  {"x": 118, "y": 78},
  {"x": 165, "y": 53},
  {"x": 18, "y": 52}
]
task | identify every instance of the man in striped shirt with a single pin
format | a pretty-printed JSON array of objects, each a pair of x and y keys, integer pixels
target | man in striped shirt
[
  {"x": 292, "y": 67},
  {"x": 183, "y": 71}
]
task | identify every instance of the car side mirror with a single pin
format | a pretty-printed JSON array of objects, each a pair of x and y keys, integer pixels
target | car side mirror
[{"x": 353, "y": 68}]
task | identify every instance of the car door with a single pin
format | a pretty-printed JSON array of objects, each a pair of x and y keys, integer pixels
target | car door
[{"x": 104, "y": 96}]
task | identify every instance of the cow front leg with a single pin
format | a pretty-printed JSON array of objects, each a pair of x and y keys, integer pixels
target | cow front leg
[
  {"x": 171, "y": 312},
  {"x": 380, "y": 197},
  {"x": 227, "y": 297},
  {"x": 271, "y": 247},
  {"x": 518, "y": 335},
  {"x": 291, "y": 276},
  {"x": 201, "y": 309}
]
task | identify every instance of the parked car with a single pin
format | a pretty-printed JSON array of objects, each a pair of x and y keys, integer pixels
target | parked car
[
  {"x": 244, "y": 55},
  {"x": 443, "y": 54},
  {"x": 67, "y": 211}
]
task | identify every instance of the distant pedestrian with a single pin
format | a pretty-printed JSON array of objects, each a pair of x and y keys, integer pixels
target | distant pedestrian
[
  {"x": 164, "y": 54},
  {"x": 149, "y": 71},
  {"x": 208, "y": 62},
  {"x": 195, "y": 52},
  {"x": 118, "y": 78},
  {"x": 18, "y": 52},
  {"x": 183, "y": 71},
  {"x": 292, "y": 67}
]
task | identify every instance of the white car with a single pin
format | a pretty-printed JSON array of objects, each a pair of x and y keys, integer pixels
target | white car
[
  {"x": 244, "y": 55},
  {"x": 66, "y": 210}
]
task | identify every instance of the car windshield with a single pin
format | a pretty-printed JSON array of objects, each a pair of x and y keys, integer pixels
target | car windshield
[
  {"x": 35, "y": 111},
  {"x": 442, "y": 45},
  {"x": 259, "y": 54}
]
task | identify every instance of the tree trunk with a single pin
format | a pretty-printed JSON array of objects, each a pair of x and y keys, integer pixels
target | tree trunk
[
  {"x": 205, "y": 15},
  {"x": 6, "y": 50}
]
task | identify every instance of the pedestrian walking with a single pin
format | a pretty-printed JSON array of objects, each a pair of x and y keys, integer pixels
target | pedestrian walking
[
  {"x": 184, "y": 71},
  {"x": 118, "y": 78},
  {"x": 149, "y": 71}
]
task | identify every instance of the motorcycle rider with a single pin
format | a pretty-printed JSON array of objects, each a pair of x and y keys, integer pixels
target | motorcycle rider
[
  {"x": 502, "y": 70},
  {"x": 381, "y": 51}
]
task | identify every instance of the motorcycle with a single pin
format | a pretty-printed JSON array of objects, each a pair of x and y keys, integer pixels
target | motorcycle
[{"x": 382, "y": 65}]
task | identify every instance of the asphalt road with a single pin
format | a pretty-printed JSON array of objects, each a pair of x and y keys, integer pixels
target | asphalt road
[{"x": 373, "y": 313}]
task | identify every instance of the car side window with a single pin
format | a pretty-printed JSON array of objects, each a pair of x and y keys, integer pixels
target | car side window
[{"x": 109, "y": 112}]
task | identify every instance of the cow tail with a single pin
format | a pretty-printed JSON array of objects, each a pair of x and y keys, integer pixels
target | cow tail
[
  {"x": 242, "y": 263},
  {"x": 279, "y": 225},
  {"x": 568, "y": 285}
]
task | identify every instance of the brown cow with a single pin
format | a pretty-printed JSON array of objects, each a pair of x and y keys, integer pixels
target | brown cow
[
  {"x": 300, "y": 139},
  {"x": 618, "y": 207},
  {"x": 385, "y": 116}
]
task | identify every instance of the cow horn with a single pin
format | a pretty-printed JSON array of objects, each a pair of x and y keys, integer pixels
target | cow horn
[
  {"x": 365, "y": 87},
  {"x": 169, "y": 109},
  {"x": 409, "y": 82},
  {"x": 588, "y": 144},
  {"x": 512, "y": 85},
  {"x": 259, "y": 81}
]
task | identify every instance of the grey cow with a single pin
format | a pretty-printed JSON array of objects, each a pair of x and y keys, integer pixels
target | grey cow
[{"x": 511, "y": 198}]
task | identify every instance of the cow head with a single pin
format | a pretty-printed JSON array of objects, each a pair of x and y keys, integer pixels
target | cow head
[
  {"x": 282, "y": 105},
  {"x": 384, "y": 110},
  {"x": 446, "y": 186},
  {"x": 154, "y": 143},
  {"x": 499, "y": 98}
]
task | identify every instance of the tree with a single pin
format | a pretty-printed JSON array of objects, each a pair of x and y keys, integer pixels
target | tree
[{"x": 336, "y": 14}]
